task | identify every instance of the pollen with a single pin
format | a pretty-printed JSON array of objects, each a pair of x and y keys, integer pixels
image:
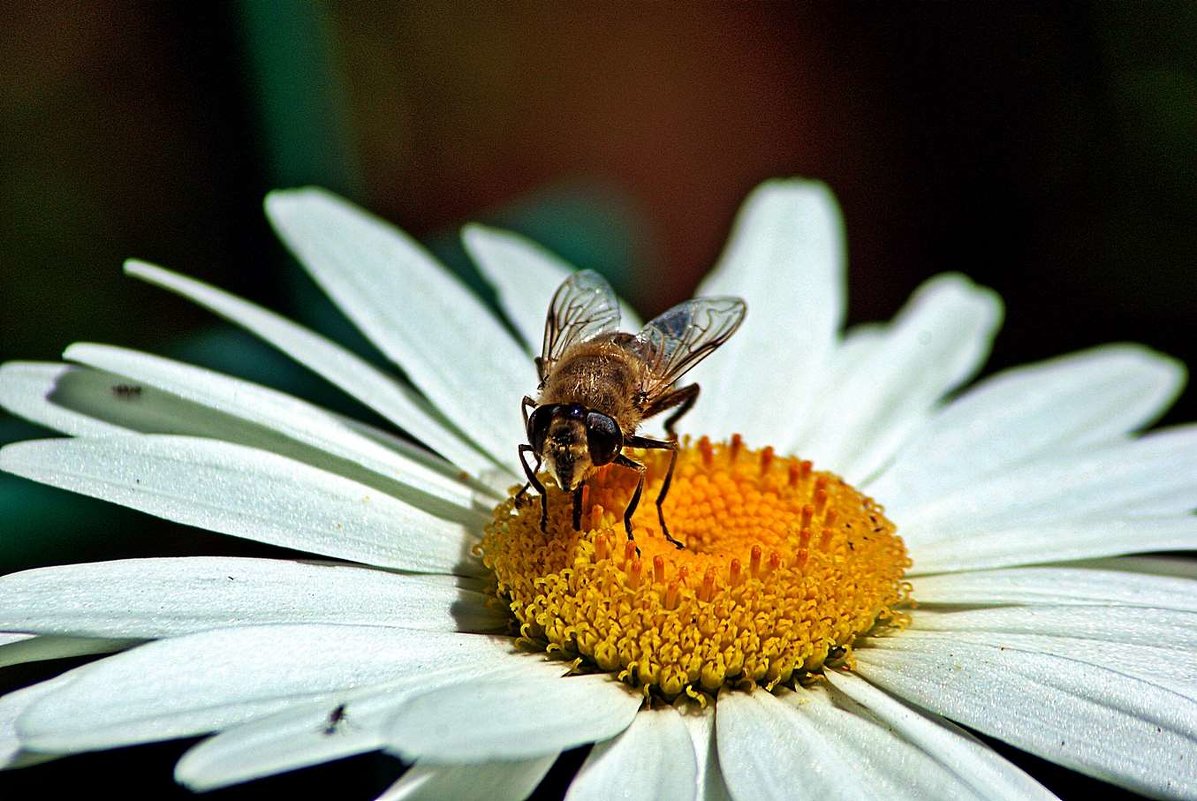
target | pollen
[{"x": 784, "y": 568}]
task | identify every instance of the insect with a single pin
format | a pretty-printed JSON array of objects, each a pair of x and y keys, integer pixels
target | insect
[
  {"x": 126, "y": 391},
  {"x": 335, "y": 719},
  {"x": 597, "y": 384}
]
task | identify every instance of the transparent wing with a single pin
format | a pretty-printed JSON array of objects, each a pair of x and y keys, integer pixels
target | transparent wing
[
  {"x": 685, "y": 335},
  {"x": 583, "y": 307}
]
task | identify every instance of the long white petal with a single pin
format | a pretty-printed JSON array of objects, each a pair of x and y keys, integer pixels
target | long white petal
[
  {"x": 1171, "y": 667},
  {"x": 17, "y": 649},
  {"x": 1144, "y": 626},
  {"x": 1102, "y": 723},
  {"x": 414, "y": 310},
  {"x": 12, "y": 706},
  {"x": 152, "y": 598},
  {"x": 1076, "y": 401},
  {"x": 212, "y": 680},
  {"x": 969, "y": 760},
  {"x": 525, "y": 276},
  {"x": 1057, "y": 585},
  {"x": 786, "y": 260},
  {"x": 652, "y": 759},
  {"x": 512, "y": 780},
  {"x": 802, "y": 745},
  {"x": 286, "y": 425},
  {"x": 1036, "y": 543},
  {"x": 403, "y": 406},
  {"x": 248, "y": 493},
  {"x": 701, "y": 726},
  {"x": 1154, "y": 475},
  {"x": 516, "y": 718},
  {"x": 28, "y": 390},
  {"x": 935, "y": 343}
]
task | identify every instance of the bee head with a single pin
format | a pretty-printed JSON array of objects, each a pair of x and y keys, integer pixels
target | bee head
[{"x": 573, "y": 440}]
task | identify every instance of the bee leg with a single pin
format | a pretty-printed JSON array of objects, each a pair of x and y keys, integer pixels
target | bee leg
[
  {"x": 683, "y": 398},
  {"x": 535, "y": 482},
  {"x": 670, "y": 445},
  {"x": 578, "y": 508},
  {"x": 624, "y": 461},
  {"x": 526, "y": 404}
]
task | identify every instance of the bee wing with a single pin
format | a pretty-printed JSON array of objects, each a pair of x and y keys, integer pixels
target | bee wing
[
  {"x": 583, "y": 307},
  {"x": 685, "y": 335}
]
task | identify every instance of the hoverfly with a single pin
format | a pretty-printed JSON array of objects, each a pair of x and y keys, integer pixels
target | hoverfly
[{"x": 597, "y": 384}]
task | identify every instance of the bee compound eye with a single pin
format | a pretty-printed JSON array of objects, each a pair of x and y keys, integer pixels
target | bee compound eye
[
  {"x": 538, "y": 425},
  {"x": 603, "y": 438}
]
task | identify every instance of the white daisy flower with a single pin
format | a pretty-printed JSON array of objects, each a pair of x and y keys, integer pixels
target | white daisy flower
[{"x": 780, "y": 654}]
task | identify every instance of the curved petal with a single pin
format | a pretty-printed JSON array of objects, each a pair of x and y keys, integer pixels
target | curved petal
[
  {"x": 1152, "y": 476},
  {"x": 1081, "y": 400},
  {"x": 653, "y": 758},
  {"x": 152, "y": 598},
  {"x": 802, "y": 745},
  {"x": 509, "y": 780},
  {"x": 525, "y": 276},
  {"x": 701, "y": 725},
  {"x": 394, "y": 400},
  {"x": 212, "y": 680},
  {"x": 18, "y": 649},
  {"x": 1057, "y": 585},
  {"x": 1074, "y": 707},
  {"x": 935, "y": 343},
  {"x": 516, "y": 718},
  {"x": 417, "y": 313},
  {"x": 1036, "y": 543},
  {"x": 969, "y": 760},
  {"x": 786, "y": 260},
  {"x": 248, "y": 493},
  {"x": 12, "y": 706}
]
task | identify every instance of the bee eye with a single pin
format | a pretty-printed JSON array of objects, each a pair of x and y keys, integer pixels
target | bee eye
[
  {"x": 603, "y": 438},
  {"x": 538, "y": 425}
]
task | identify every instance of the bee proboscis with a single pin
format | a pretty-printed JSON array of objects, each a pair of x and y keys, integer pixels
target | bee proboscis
[{"x": 597, "y": 384}]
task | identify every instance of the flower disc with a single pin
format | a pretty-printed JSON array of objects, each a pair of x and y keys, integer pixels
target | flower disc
[{"x": 783, "y": 567}]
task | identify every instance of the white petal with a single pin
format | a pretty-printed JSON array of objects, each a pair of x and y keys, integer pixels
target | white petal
[
  {"x": 1179, "y": 566},
  {"x": 414, "y": 310},
  {"x": 1155, "y": 475},
  {"x": 1034, "y": 543},
  {"x": 17, "y": 649},
  {"x": 1085, "y": 399},
  {"x": 26, "y": 390},
  {"x": 392, "y": 399},
  {"x": 1099, "y": 722},
  {"x": 488, "y": 781},
  {"x": 152, "y": 598},
  {"x": 701, "y": 726},
  {"x": 786, "y": 260},
  {"x": 1143, "y": 626},
  {"x": 12, "y": 706},
  {"x": 248, "y": 493},
  {"x": 285, "y": 425},
  {"x": 305, "y": 734},
  {"x": 212, "y": 680},
  {"x": 1057, "y": 585},
  {"x": 800, "y": 745},
  {"x": 525, "y": 276},
  {"x": 652, "y": 759},
  {"x": 516, "y": 718},
  {"x": 971, "y": 761},
  {"x": 1171, "y": 667},
  {"x": 935, "y": 343}
]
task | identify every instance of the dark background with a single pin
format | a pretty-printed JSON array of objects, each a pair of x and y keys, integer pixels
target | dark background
[{"x": 1048, "y": 151}]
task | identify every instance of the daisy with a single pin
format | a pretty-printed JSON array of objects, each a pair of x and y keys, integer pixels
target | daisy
[{"x": 874, "y": 556}]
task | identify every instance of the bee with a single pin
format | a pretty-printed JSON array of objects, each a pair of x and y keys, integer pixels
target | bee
[{"x": 597, "y": 384}]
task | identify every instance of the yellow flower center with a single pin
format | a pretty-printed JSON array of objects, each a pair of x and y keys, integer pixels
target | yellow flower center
[{"x": 784, "y": 566}]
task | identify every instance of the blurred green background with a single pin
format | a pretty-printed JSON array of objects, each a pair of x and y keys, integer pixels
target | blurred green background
[{"x": 1050, "y": 152}]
